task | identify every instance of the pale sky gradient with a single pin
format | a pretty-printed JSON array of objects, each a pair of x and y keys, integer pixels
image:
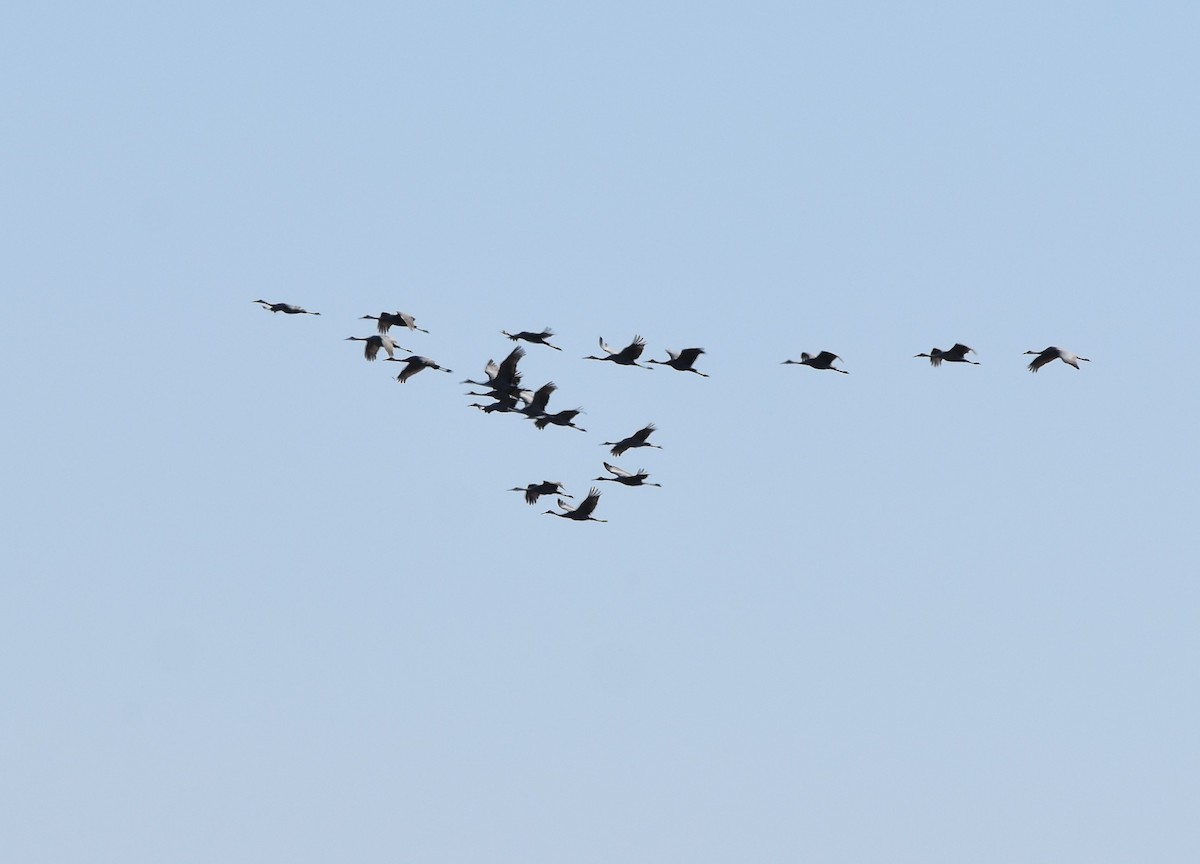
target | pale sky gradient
[{"x": 263, "y": 603}]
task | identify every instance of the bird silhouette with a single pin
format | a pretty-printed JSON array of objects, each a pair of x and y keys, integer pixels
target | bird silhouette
[
  {"x": 957, "y": 354},
  {"x": 627, "y": 356},
  {"x": 637, "y": 439},
  {"x": 620, "y": 475},
  {"x": 535, "y": 490},
  {"x": 387, "y": 320},
  {"x": 1049, "y": 355},
  {"x": 535, "y": 338},
  {"x": 415, "y": 364},
  {"x": 376, "y": 342},
  {"x": 824, "y": 360},
  {"x": 582, "y": 513},
  {"x": 682, "y": 360},
  {"x": 286, "y": 308}
]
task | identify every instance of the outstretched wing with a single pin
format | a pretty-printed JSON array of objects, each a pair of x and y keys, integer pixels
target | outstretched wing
[
  {"x": 633, "y": 350},
  {"x": 619, "y": 472},
  {"x": 588, "y": 504}
]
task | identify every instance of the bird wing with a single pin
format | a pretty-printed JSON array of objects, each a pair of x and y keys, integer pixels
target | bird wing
[
  {"x": 1043, "y": 358},
  {"x": 826, "y": 357},
  {"x": 531, "y": 494},
  {"x": 633, "y": 350},
  {"x": 688, "y": 356},
  {"x": 959, "y": 350},
  {"x": 570, "y": 508},
  {"x": 640, "y": 436},
  {"x": 542, "y": 397},
  {"x": 588, "y": 504},
  {"x": 613, "y": 469},
  {"x": 371, "y": 349},
  {"x": 508, "y": 366}
]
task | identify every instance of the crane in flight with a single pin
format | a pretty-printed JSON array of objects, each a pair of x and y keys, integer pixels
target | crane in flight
[
  {"x": 1049, "y": 355},
  {"x": 387, "y": 320},
  {"x": 534, "y": 338},
  {"x": 375, "y": 343},
  {"x": 582, "y": 513},
  {"x": 535, "y": 490},
  {"x": 682, "y": 361},
  {"x": 627, "y": 356},
  {"x": 637, "y": 439},
  {"x": 620, "y": 475},
  {"x": 286, "y": 308},
  {"x": 415, "y": 364},
  {"x": 824, "y": 360},
  {"x": 957, "y": 354}
]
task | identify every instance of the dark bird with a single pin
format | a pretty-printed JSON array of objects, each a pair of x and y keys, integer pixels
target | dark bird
[
  {"x": 824, "y": 360},
  {"x": 682, "y": 360},
  {"x": 387, "y": 320},
  {"x": 415, "y": 364},
  {"x": 536, "y": 400},
  {"x": 535, "y": 490},
  {"x": 627, "y": 356},
  {"x": 562, "y": 418},
  {"x": 286, "y": 308},
  {"x": 957, "y": 354},
  {"x": 637, "y": 439},
  {"x": 620, "y": 475},
  {"x": 374, "y": 343},
  {"x": 535, "y": 338},
  {"x": 582, "y": 513},
  {"x": 1049, "y": 355},
  {"x": 503, "y": 379}
]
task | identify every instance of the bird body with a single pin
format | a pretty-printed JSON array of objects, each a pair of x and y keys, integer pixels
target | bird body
[
  {"x": 637, "y": 439},
  {"x": 627, "y": 356},
  {"x": 620, "y": 475},
  {"x": 1049, "y": 355},
  {"x": 824, "y": 360},
  {"x": 375, "y": 343},
  {"x": 582, "y": 513},
  {"x": 957, "y": 354},
  {"x": 286, "y": 308},
  {"x": 415, "y": 364},
  {"x": 535, "y": 338},
  {"x": 682, "y": 360}
]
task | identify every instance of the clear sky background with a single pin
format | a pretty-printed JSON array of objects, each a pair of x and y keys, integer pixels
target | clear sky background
[{"x": 263, "y": 603}]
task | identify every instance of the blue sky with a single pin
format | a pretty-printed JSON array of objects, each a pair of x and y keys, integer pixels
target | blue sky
[{"x": 265, "y": 603}]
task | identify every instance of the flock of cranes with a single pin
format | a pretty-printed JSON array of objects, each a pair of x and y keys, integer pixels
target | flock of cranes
[{"x": 502, "y": 384}]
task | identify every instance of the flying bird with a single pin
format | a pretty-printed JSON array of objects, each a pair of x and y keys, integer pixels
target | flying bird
[
  {"x": 957, "y": 354},
  {"x": 627, "y": 356},
  {"x": 536, "y": 400},
  {"x": 682, "y": 360},
  {"x": 1049, "y": 355},
  {"x": 503, "y": 379},
  {"x": 286, "y": 308},
  {"x": 824, "y": 360},
  {"x": 376, "y": 342},
  {"x": 620, "y": 475},
  {"x": 535, "y": 490},
  {"x": 582, "y": 513},
  {"x": 415, "y": 364},
  {"x": 637, "y": 439},
  {"x": 535, "y": 338},
  {"x": 387, "y": 320},
  {"x": 562, "y": 418}
]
